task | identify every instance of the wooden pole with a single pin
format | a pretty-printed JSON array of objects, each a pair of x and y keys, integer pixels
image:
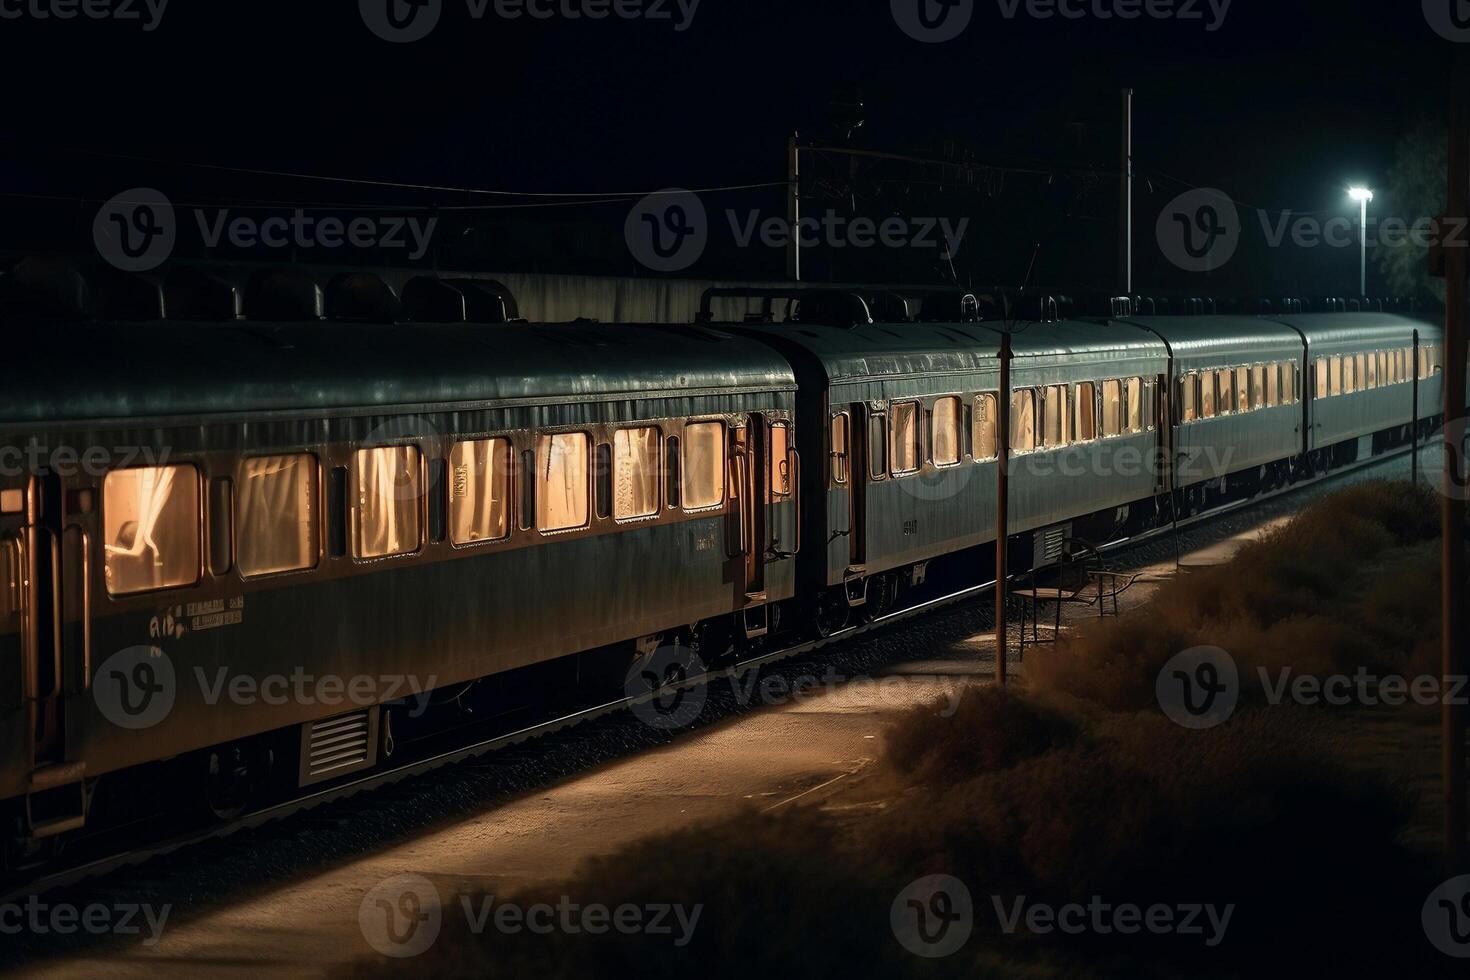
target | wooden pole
[
  {"x": 1002, "y": 501},
  {"x": 1452, "y": 508}
]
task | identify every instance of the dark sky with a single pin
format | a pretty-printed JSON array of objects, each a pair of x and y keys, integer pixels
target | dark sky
[{"x": 1281, "y": 105}]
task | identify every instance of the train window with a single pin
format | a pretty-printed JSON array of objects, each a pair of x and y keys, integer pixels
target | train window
[
  {"x": 386, "y": 487},
  {"x": 672, "y": 495},
  {"x": 151, "y": 521},
  {"x": 878, "y": 446},
  {"x": 984, "y": 434},
  {"x": 1334, "y": 375},
  {"x": 1112, "y": 408},
  {"x": 479, "y": 491},
  {"x": 635, "y": 472},
  {"x": 1406, "y": 364},
  {"x": 1319, "y": 371},
  {"x": 703, "y": 465},
  {"x": 1139, "y": 398},
  {"x": 841, "y": 454},
  {"x": 276, "y": 514},
  {"x": 1258, "y": 386},
  {"x": 780, "y": 461},
  {"x": 1349, "y": 375},
  {"x": 562, "y": 480},
  {"x": 1370, "y": 376},
  {"x": 1224, "y": 392},
  {"x": 1271, "y": 384},
  {"x": 1360, "y": 372},
  {"x": 1023, "y": 420},
  {"x": 946, "y": 431},
  {"x": 1385, "y": 373},
  {"x": 1289, "y": 383},
  {"x": 1242, "y": 389},
  {"x": 1207, "y": 396},
  {"x": 1084, "y": 422},
  {"x": 221, "y": 525},
  {"x": 1188, "y": 392},
  {"x": 1055, "y": 416},
  {"x": 903, "y": 436}
]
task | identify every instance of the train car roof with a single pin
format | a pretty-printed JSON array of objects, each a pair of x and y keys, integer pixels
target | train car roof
[
  {"x": 1204, "y": 338},
  {"x": 1076, "y": 337},
  {"x": 101, "y": 371},
  {"x": 1358, "y": 329}
]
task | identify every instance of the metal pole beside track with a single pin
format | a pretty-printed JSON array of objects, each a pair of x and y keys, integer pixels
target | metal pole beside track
[
  {"x": 1452, "y": 507},
  {"x": 793, "y": 207},
  {"x": 1002, "y": 500},
  {"x": 1125, "y": 198}
]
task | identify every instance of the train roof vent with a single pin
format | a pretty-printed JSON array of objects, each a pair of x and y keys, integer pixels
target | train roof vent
[
  {"x": 120, "y": 296},
  {"x": 45, "y": 288},
  {"x": 281, "y": 294},
  {"x": 362, "y": 296},
  {"x": 1146, "y": 305},
  {"x": 189, "y": 294},
  {"x": 487, "y": 301},
  {"x": 834, "y": 308},
  {"x": 949, "y": 308},
  {"x": 429, "y": 300}
]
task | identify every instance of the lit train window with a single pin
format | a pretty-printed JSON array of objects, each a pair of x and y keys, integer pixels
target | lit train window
[
  {"x": 1271, "y": 383},
  {"x": 841, "y": 453},
  {"x": 1258, "y": 387},
  {"x": 562, "y": 471},
  {"x": 1225, "y": 392},
  {"x": 1023, "y": 420},
  {"x": 1242, "y": 389},
  {"x": 1385, "y": 373},
  {"x": 780, "y": 479},
  {"x": 1406, "y": 363},
  {"x": 1288, "y": 383},
  {"x": 1319, "y": 370},
  {"x": 635, "y": 472},
  {"x": 386, "y": 487},
  {"x": 946, "y": 431},
  {"x": 1207, "y": 396},
  {"x": 151, "y": 528},
  {"x": 276, "y": 515},
  {"x": 1370, "y": 376},
  {"x": 984, "y": 435},
  {"x": 1334, "y": 375},
  {"x": 704, "y": 465},
  {"x": 1084, "y": 422},
  {"x": 1112, "y": 408},
  {"x": 1188, "y": 394},
  {"x": 1360, "y": 373},
  {"x": 903, "y": 437},
  {"x": 479, "y": 491},
  {"x": 1349, "y": 375},
  {"x": 1055, "y": 417},
  {"x": 1140, "y": 404}
]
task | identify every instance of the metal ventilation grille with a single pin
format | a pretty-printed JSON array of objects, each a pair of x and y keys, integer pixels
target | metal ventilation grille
[
  {"x": 1052, "y": 541},
  {"x": 338, "y": 746}
]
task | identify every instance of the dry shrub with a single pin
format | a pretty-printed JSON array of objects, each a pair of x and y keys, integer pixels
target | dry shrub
[{"x": 991, "y": 729}]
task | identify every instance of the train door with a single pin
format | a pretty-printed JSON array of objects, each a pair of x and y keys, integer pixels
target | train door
[
  {"x": 56, "y": 610},
  {"x": 858, "y": 498},
  {"x": 748, "y": 487}
]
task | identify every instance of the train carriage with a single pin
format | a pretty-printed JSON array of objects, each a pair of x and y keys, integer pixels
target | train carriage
[{"x": 221, "y": 509}]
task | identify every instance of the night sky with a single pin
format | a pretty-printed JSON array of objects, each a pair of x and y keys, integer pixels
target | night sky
[{"x": 1282, "y": 105}]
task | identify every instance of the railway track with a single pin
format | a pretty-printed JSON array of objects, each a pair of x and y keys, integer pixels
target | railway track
[{"x": 50, "y": 878}]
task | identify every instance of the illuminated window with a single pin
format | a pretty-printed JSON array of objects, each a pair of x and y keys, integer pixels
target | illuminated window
[
  {"x": 276, "y": 515},
  {"x": 1370, "y": 377},
  {"x": 1112, "y": 408},
  {"x": 562, "y": 471},
  {"x": 635, "y": 472},
  {"x": 1242, "y": 389},
  {"x": 1139, "y": 397},
  {"x": 704, "y": 465},
  {"x": 903, "y": 436},
  {"x": 781, "y": 472},
  {"x": 1023, "y": 420},
  {"x": 1084, "y": 425},
  {"x": 479, "y": 491},
  {"x": 1188, "y": 386},
  {"x": 386, "y": 488},
  {"x": 946, "y": 431},
  {"x": 1055, "y": 416},
  {"x": 1258, "y": 387},
  {"x": 1271, "y": 379},
  {"x": 1385, "y": 373},
  {"x": 1320, "y": 371},
  {"x": 1207, "y": 396},
  {"x": 1349, "y": 376},
  {"x": 1334, "y": 375},
  {"x": 985, "y": 422},
  {"x": 151, "y": 522},
  {"x": 841, "y": 455},
  {"x": 1288, "y": 383}
]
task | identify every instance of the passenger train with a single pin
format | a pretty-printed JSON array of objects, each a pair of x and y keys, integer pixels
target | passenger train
[{"x": 256, "y": 542}]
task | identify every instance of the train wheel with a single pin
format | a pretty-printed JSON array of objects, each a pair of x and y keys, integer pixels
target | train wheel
[
  {"x": 234, "y": 776},
  {"x": 833, "y": 612},
  {"x": 882, "y": 595}
]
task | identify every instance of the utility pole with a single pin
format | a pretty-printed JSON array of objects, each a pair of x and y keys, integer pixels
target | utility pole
[
  {"x": 793, "y": 208},
  {"x": 1002, "y": 500},
  {"x": 1452, "y": 508},
  {"x": 1125, "y": 198}
]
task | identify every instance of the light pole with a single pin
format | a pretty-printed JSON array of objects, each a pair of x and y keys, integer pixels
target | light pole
[{"x": 1362, "y": 195}]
